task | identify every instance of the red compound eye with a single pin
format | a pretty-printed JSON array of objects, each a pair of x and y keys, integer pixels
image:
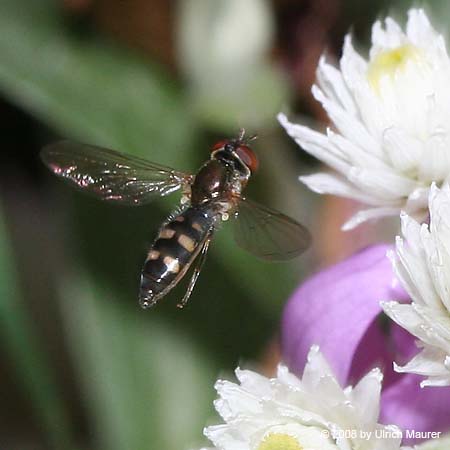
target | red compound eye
[
  {"x": 218, "y": 145},
  {"x": 248, "y": 157}
]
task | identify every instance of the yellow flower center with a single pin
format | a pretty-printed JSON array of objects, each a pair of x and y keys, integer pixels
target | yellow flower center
[
  {"x": 391, "y": 62},
  {"x": 279, "y": 441}
]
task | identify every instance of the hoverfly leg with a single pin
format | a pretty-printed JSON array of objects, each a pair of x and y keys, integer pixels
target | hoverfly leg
[{"x": 197, "y": 270}]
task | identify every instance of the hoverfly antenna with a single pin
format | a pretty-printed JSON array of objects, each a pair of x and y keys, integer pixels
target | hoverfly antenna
[
  {"x": 241, "y": 137},
  {"x": 251, "y": 138}
]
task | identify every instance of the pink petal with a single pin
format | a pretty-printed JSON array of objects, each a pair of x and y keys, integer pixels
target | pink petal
[
  {"x": 411, "y": 407},
  {"x": 336, "y": 309}
]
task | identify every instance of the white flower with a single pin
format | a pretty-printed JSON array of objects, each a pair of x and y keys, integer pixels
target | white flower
[
  {"x": 312, "y": 413},
  {"x": 391, "y": 116},
  {"x": 210, "y": 36},
  {"x": 222, "y": 50},
  {"x": 423, "y": 267}
]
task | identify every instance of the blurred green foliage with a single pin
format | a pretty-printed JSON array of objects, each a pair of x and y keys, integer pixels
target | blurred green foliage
[
  {"x": 27, "y": 353},
  {"x": 144, "y": 379},
  {"x": 87, "y": 88}
]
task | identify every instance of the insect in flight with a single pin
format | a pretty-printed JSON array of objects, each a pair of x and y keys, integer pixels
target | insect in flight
[{"x": 210, "y": 197}]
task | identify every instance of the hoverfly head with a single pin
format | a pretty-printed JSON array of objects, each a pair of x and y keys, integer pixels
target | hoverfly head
[{"x": 237, "y": 152}]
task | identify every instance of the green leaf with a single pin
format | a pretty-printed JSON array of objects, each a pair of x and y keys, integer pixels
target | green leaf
[
  {"x": 145, "y": 383},
  {"x": 87, "y": 88},
  {"x": 27, "y": 355}
]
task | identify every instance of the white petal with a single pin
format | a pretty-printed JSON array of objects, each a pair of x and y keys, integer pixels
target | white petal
[
  {"x": 350, "y": 127},
  {"x": 411, "y": 231},
  {"x": 368, "y": 214},
  {"x": 387, "y": 38},
  {"x": 325, "y": 183},
  {"x": 411, "y": 268},
  {"x": 319, "y": 378},
  {"x": 332, "y": 83},
  {"x": 315, "y": 144},
  {"x": 436, "y": 165},
  {"x": 415, "y": 320},
  {"x": 353, "y": 66},
  {"x": 316, "y": 367},
  {"x": 403, "y": 149},
  {"x": 429, "y": 362},
  {"x": 436, "y": 382},
  {"x": 387, "y": 185},
  {"x": 404, "y": 315},
  {"x": 401, "y": 272},
  {"x": 366, "y": 396},
  {"x": 417, "y": 203},
  {"x": 418, "y": 28},
  {"x": 437, "y": 258},
  {"x": 436, "y": 323},
  {"x": 391, "y": 441},
  {"x": 287, "y": 378},
  {"x": 253, "y": 382},
  {"x": 240, "y": 402},
  {"x": 356, "y": 156},
  {"x": 394, "y": 31},
  {"x": 439, "y": 203},
  {"x": 221, "y": 437}
]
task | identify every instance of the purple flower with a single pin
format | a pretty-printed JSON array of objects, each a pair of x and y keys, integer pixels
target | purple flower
[{"x": 339, "y": 310}]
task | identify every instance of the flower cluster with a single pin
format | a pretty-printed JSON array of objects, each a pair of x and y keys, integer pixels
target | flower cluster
[
  {"x": 340, "y": 309},
  {"x": 389, "y": 149},
  {"x": 423, "y": 266},
  {"x": 288, "y": 413},
  {"x": 391, "y": 116}
]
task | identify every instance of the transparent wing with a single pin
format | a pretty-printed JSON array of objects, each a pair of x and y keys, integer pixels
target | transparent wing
[
  {"x": 268, "y": 234},
  {"x": 110, "y": 175}
]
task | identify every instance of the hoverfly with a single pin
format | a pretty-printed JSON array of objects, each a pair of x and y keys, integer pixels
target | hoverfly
[{"x": 210, "y": 197}]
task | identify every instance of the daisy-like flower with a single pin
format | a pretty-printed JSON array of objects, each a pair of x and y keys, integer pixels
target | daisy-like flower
[
  {"x": 423, "y": 267},
  {"x": 391, "y": 117},
  {"x": 311, "y": 413},
  {"x": 318, "y": 312}
]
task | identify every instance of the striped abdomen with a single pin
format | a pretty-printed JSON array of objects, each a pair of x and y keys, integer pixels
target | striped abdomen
[{"x": 176, "y": 246}]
